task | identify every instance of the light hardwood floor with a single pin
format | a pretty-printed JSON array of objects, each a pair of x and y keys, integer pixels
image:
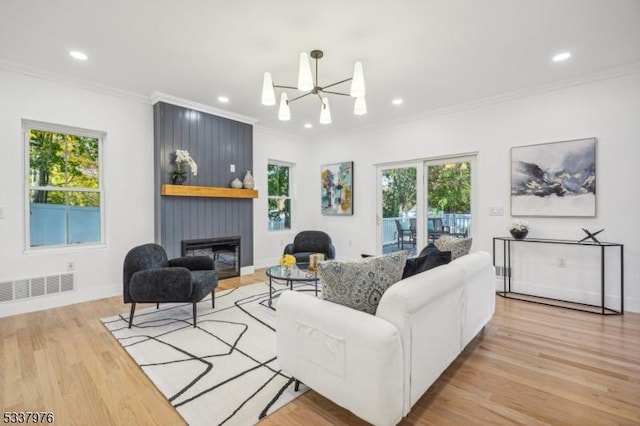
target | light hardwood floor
[{"x": 533, "y": 364}]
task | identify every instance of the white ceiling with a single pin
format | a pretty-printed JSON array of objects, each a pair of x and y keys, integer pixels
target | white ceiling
[{"x": 432, "y": 53}]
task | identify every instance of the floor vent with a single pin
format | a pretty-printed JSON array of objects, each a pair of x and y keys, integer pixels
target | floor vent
[{"x": 36, "y": 287}]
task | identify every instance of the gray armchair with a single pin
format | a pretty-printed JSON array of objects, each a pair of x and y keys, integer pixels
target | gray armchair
[
  {"x": 307, "y": 243},
  {"x": 150, "y": 277}
]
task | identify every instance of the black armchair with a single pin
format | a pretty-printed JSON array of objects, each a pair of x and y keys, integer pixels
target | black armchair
[
  {"x": 150, "y": 277},
  {"x": 307, "y": 243}
]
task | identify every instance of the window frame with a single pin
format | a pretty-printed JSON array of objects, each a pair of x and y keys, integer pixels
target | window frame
[
  {"x": 27, "y": 126},
  {"x": 289, "y": 197}
]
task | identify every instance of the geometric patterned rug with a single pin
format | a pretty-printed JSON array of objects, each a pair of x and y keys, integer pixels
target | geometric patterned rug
[{"x": 225, "y": 370}]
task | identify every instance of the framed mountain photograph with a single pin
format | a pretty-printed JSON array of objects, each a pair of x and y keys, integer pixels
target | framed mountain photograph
[{"x": 554, "y": 179}]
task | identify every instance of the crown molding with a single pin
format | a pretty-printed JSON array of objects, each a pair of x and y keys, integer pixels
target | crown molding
[
  {"x": 67, "y": 80},
  {"x": 278, "y": 133},
  {"x": 156, "y": 97},
  {"x": 486, "y": 102}
]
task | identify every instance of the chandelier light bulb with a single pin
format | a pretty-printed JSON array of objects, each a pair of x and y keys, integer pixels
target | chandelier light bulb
[
  {"x": 268, "y": 94},
  {"x": 305, "y": 78},
  {"x": 360, "y": 106},
  {"x": 325, "y": 112},
  {"x": 284, "y": 113},
  {"x": 357, "y": 83}
]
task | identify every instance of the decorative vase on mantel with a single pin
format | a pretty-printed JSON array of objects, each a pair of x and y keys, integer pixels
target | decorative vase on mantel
[
  {"x": 247, "y": 182},
  {"x": 518, "y": 235},
  {"x": 236, "y": 183},
  {"x": 178, "y": 178}
]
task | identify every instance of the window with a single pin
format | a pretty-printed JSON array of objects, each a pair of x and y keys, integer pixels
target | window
[
  {"x": 279, "y": 199},
  {"x": 64, "y": 187}
]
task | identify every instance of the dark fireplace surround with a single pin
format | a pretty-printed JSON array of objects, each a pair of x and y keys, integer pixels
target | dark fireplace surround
[{"x": 225, "y": 252}]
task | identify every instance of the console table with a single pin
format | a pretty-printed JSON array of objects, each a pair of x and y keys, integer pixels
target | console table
[{"x": 598, "y": 309}]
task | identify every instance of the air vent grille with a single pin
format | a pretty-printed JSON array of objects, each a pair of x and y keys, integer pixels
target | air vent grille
[{"x": 36, "y": 287}]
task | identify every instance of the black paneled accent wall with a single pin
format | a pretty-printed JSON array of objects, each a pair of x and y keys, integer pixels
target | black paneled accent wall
[{"x": 214, "y": 143}]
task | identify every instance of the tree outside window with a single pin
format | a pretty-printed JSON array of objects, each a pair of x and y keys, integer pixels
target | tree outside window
[
  {"x": 64, "y": 186},
  {"x": 279, "y": 197}
]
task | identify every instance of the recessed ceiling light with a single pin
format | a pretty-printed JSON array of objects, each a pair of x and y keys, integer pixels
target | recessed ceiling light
[
  {"x": 308, "y": 125},
  {"x": 561, "y": 57},
  {"x": 78, "y": 55},
  {"x": 397, "y": 101},
  {"x": 223, "y": 99}
]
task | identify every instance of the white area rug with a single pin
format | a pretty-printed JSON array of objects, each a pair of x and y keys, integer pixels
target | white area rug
[{"x": 225, "y": 370}]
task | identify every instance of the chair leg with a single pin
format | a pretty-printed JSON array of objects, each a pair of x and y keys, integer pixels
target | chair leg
[
  {"x": 195, "y": 311},
  {"x": 296, "y": 386},
  {"x": 213, "y": 298},
  {"x": 157, "y": 306},
  {"x": 133, "y": 309}
]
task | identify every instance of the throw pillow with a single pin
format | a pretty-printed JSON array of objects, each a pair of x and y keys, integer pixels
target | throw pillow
[
  {"x": 360, "y": 284},
  {"x": 415, "y": 265},
  {"x": 457, "y": 246},
  {"x": 429, "y": 249}
]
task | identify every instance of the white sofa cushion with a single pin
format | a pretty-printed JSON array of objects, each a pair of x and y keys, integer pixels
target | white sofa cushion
[{"x": 360, "y": 284}]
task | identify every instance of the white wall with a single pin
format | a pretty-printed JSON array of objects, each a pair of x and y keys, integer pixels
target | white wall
[
  {"x": 128, "y": 183},
  {"x": 608, "y": 110},
  {"x": 269, "y": 145}
]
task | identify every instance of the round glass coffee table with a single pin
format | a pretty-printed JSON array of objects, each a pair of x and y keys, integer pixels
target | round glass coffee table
[{"x": 298, "y": 273}]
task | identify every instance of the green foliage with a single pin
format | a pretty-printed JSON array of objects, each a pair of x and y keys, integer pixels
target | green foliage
[
  {"x": 398, "y": 191},
  {"x": 63, "y": 161},
  {"x": 449, "y": 188},
  {"x": 278, "y": 180}
]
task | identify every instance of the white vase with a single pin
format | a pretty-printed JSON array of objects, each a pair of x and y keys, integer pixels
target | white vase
[
  {"x": 236, "y": 183},
  {"x": 247, "y": 182}
]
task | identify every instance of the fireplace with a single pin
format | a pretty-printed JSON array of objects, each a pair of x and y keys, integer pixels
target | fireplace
[{"x": 224, "y": 251}]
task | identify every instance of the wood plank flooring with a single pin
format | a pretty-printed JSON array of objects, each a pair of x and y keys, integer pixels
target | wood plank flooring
[{"x": 533, "y": 364}]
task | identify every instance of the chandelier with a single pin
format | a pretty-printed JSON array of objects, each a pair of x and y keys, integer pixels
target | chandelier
[{"x": 309, "y": 85}]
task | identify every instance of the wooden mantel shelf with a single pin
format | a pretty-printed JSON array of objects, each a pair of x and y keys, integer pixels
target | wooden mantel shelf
[{"x": 207, "y": 191}]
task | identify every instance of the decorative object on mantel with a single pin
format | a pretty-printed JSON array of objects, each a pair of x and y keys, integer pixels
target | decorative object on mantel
[
  {"x": 307, "y": 84},
  {"x": 179, "y": 174},
  {"x": 236, "y": 183},
  {"x": 519, "y": 229},
  {"x": 591, "y": 236},
  {"x": 247, "y": 182}
]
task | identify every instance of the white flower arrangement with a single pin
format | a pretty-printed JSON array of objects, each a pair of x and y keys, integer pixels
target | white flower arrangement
[
  {"x": 182, "y": 156},
  {"x": 519, "y": 225}
]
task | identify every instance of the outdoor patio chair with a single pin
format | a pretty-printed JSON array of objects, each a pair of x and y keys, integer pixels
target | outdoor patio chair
[{"x": 402, "y": 232}]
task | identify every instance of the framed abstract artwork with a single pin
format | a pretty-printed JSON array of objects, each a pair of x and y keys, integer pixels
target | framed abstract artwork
[
  {"x": 554, "y": 179},
  {"x": 337, "y": 188}
]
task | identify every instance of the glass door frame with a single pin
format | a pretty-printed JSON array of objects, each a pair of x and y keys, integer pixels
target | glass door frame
[
  {"x": 421, "y": 166},
  {"x": 420, "y": 201},
  {"x": 470, "y": 158}
]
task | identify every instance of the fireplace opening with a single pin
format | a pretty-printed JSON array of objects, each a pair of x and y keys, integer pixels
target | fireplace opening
[{"x": 224, "y": 251}]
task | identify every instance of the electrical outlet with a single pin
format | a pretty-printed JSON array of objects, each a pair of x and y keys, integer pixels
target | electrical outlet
[
  {"x": 562, "y": 263},
  {"x": 350, "y": 243},
  {"x": 496, "y": 211},
  {"x": 232, "y": 168},
  {"x": 2, "y": 212},
  {"x": 71, "y": 266}
]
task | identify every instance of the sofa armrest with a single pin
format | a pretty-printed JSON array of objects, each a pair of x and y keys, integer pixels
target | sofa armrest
[{"x": 352, "y": 358}]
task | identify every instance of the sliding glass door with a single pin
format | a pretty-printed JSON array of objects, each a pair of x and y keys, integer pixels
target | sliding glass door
[{"x": 418, "y": 202}]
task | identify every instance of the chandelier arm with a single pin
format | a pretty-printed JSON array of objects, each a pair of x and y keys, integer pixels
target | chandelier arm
[
  {"x": 336, "y": 93},
  {"x": 339, "y": 82},
  {"x": 301, "y": 96},
  {"x": 285, "y": 87}
]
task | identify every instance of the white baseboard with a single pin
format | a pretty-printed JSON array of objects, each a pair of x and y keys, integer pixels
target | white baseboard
[
  {"x": 247, "y": 270},
  {"x": 573, "y": 295},
  {"x": 17, "y": 307}
]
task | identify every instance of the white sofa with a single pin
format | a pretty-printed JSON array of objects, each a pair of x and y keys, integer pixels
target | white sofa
[{"x": 378, "y": 366}]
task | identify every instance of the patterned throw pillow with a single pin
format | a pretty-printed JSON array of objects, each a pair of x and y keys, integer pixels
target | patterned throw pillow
[
  {"x": 360, "y": 284},
  {"x": 457, "y": 246}
]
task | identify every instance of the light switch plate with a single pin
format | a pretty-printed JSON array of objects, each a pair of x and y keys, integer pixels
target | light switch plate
[{"x": 232, "y": 168}]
